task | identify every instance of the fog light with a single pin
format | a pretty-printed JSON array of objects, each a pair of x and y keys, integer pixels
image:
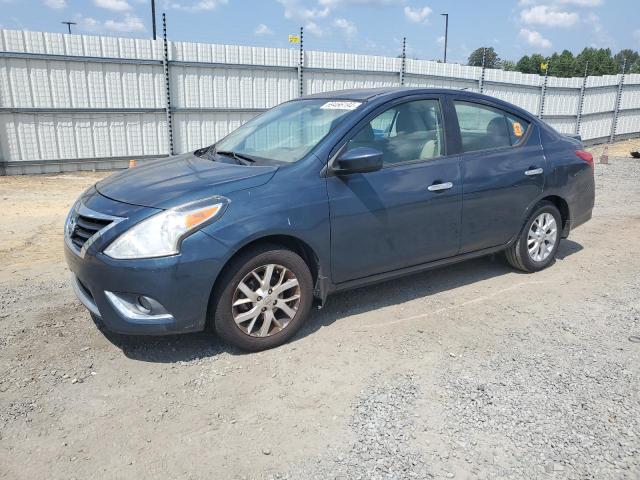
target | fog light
[
  {"x": 144, "y": 305},
  {"x": 138, "y": 307}
]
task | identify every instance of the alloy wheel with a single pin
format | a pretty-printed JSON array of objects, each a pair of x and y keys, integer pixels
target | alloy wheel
[
  {"x": 266, "y": 300},
  {"x": 542, "y": 236}
]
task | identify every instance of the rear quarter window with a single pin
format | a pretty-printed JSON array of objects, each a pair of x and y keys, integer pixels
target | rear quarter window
[{"x": 517, "y": 128}]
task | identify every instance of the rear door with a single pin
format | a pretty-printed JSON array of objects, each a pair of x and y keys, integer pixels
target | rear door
[
  {"x": 503, "y": 168},
  {"x": 405, "y": 214}
]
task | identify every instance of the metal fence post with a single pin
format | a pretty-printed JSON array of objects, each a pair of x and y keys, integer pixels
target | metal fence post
[
  {"x": 403, "y": 64},
  {"x": 543, "y": 92},
  {"x": 301, "y": 64},
  {"x": 616, "y": 111},
  {"x": 481, "y": 79},
  {"x": 581, "y": 101},
  {"x": 165, "y": 64}
]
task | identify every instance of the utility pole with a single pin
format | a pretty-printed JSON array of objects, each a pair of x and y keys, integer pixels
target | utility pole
[
  {"x": 68, "y": 24},
  {"x": 446, "y": 34},
  {"x": 153, "y": 17}
]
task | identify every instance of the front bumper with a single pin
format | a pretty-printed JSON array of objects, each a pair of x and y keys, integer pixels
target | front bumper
[{"x": 181, "y": 284}]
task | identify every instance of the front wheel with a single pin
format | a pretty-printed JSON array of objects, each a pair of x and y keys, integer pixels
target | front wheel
[
  {"x": 537, "y": 245},
  {"x": 264, "y": 297}
]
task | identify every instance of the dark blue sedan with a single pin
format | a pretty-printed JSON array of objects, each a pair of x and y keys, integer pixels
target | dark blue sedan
[{"x": 320, "y": 194}]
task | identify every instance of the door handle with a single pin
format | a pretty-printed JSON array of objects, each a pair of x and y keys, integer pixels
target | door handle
[
  {"x": 437, "y": 187},
  {"x": 534, "y": 171}
]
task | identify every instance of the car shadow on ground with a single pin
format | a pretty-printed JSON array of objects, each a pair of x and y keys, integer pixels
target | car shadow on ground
[{"x": 193, "y": 346}]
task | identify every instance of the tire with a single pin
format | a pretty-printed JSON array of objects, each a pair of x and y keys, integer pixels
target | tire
[
  {"x": 518, "y": 254},
  {"x": 268, "y": 323}
]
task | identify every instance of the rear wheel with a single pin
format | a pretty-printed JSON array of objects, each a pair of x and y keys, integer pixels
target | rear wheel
[
  {"x": 264, "y": 297},
  {"x": 536, "y": 247}
]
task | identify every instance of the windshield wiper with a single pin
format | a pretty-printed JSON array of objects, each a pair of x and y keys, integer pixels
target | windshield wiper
[
  {"x": 201, "y": 152},
  {"x": 240, "y": 157}
]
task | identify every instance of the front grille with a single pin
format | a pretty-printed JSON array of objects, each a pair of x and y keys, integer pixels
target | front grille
[{"x": 85, "y": 228}]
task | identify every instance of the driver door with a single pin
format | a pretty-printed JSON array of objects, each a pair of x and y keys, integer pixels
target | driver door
[{"x": 408, "y": 212}]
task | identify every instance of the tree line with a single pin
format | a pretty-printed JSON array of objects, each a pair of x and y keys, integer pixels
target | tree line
[{"x": 596, "y": 61}]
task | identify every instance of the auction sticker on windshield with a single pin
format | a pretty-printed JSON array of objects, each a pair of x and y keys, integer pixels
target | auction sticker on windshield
[{"x": 340, "y": 105}]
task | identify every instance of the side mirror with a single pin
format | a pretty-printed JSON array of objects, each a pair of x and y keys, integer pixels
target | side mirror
[{"x": 358, "y": 160}]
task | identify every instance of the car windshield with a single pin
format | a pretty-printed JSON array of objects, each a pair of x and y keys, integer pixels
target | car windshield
[{"x": 288, "y": 132}]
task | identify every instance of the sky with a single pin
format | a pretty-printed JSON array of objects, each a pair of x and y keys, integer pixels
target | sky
[{"x": 514, "y": 28}]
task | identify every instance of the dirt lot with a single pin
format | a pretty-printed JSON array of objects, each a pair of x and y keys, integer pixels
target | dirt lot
[{"x": 473, "y": 371}]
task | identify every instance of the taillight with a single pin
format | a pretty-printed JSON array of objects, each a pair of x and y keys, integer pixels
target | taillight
[{"x": 586, "y": 156}]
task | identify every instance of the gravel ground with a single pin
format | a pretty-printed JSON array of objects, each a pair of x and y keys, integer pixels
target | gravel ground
[{"x": 472, "y": 371}]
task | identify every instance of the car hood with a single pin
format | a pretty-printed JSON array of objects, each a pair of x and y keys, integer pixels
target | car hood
[{"x": 180, "y": 179}]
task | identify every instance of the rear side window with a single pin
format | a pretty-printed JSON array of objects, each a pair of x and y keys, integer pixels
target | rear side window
[{"x": 485, "y": 128}]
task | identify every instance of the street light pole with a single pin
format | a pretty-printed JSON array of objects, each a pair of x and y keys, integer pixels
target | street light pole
[
  {"x": 153, "y": 17},
  {"x": 446, "y": 34},
  {"x": 68, "y": 24}
]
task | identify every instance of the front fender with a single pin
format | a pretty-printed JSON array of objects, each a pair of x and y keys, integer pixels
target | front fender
[{"x": 294, "y": 206}]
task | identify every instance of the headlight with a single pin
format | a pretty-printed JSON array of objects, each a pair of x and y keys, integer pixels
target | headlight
[{"x": 161, "y": 234}]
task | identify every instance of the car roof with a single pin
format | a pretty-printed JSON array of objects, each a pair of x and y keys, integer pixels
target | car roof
[
  {"x": 390, "y": 93},
  {"x": 368, "y": 93}
]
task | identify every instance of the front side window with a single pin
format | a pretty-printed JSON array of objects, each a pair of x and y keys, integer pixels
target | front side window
[
  {"x": 485, "y": 128},
  {"x": 405, "y": 132},
  {"x": 288, "y": 132}
]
